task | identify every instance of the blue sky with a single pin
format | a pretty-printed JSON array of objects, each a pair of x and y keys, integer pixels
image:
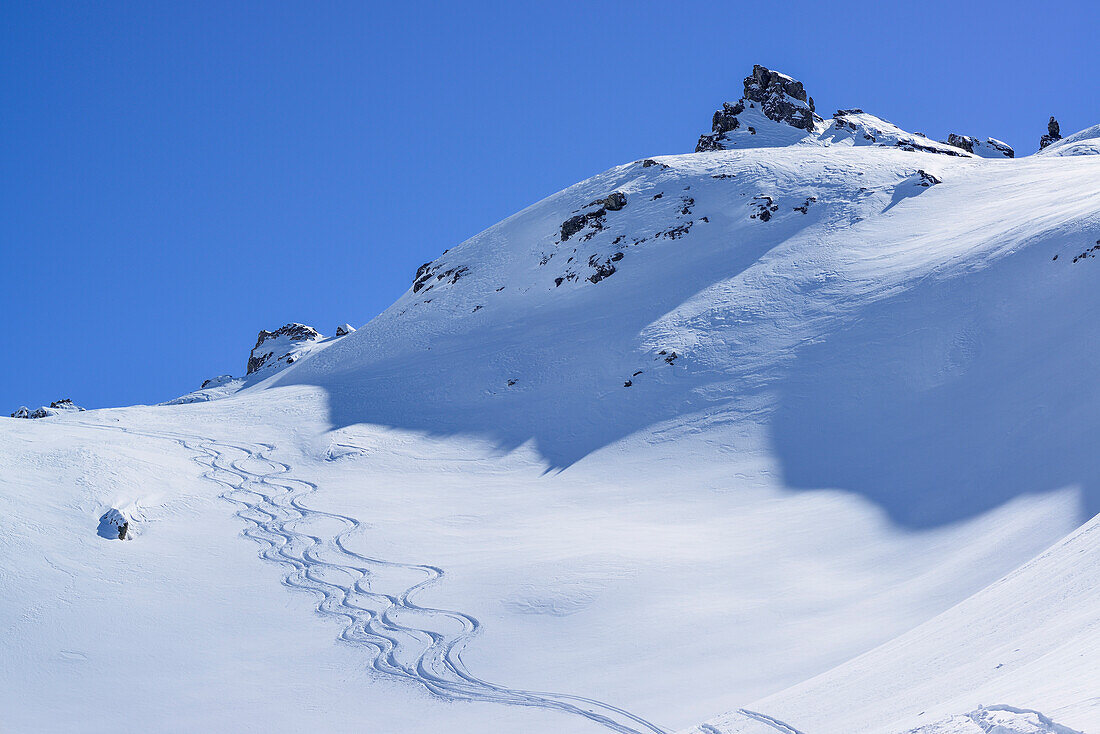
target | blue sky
[{"x": 178, "y": 176}]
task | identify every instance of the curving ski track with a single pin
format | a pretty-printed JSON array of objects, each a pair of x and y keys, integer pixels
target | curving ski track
[
  {"x": 404, "y": 639},
  {"x": 780, "y": 726}
]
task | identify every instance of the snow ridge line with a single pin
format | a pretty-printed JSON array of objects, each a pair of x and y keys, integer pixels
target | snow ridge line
[
  {"x": 780, "y": 726},
  {"x": 403, "y": 637}
]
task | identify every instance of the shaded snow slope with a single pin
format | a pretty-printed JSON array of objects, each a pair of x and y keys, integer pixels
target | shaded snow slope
[
  {"x": 1032, "y": 638},
  {"x": 887, "y": 323}
]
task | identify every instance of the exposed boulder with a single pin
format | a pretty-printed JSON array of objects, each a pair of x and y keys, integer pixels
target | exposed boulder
[
  {"x": 282, "y": 345},
  {"x": 115, "y": 525},
  {"x": 614, "y": 202},
  {"x": 344, "y": 329},
  {"x": 21, "y": 412},
  {"x": 925, "y": 179},
  {"x": 1054, "y": 133},
  {"x": 1001, "y": 147},
  {"x": 989, "y": 148},
  {"x": 962, "y": 141},
  {"x": 593, "y": 219}
]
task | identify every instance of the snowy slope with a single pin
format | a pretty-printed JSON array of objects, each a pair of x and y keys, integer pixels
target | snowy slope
[
  {"x": 799, "y": 428},
  {"x": 1032, "y": 638}
]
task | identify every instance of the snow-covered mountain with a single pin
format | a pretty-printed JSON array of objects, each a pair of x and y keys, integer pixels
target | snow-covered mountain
[{"x": 789, "y": 433}]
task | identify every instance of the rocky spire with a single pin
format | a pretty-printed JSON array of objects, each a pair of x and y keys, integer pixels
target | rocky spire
[
  {"x": 782, "y": 98},
  {"x": 779, "y": 97},
  {"x": 1054, "y": 133}
]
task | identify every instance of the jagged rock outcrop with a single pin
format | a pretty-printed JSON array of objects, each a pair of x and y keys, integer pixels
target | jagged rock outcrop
[
  {"x": 282, "y": 345},
  {"x": 989, "y": 148},
  {"x": 56, "y": 408},
  {"x": 782, "y": 98},
  {"x": 427, "y": 271},
  {"x": 115, "y": 524},
  {"x": 779, "y": 97},
  {"x": 925, "y": 179},
  {"x": 344, "y": 329},
  {"x": 965, "y": 142},
  {"x": 1054, "y": 133},
  {"x": 613, "y": 202},
  {"x": 776, "y": 111}
]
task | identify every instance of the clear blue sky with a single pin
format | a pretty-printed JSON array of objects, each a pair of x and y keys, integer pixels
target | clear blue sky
[{"x": 177, "y": 176}]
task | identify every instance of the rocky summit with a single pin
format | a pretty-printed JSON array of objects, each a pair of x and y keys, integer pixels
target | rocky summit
[
  {"x": 775, "y": 110},
  {"x": 282, "y": 345}
]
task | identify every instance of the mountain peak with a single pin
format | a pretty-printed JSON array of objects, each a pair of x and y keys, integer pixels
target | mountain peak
[
  {"x": 282, "y": 345},
  {"x": 780, "y": 98},
  {"x": 775, "y": 111}
]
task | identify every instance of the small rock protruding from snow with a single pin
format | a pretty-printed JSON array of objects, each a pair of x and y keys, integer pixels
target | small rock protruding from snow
[
  {"x": 1054, "y": 133},
  {"x": 613, "y": 202},
  {"x": 344, "y": 329},
  {"x": 116, "y": 524},
  {"x": 57, "y": 407},
  {"x": 282, "y": 345},
  {"x": 990, "y": 148},
  {"x": 925, "y": 179},
  {"x": 427, "y": 271}
]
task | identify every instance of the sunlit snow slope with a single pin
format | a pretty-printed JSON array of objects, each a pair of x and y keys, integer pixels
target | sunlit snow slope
[{"x": 799, "y": 433}]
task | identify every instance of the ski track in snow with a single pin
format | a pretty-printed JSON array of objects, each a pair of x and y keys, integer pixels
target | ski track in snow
[
  {"x": 405, "y": 639},
  {"x": 780, "y": 726}
]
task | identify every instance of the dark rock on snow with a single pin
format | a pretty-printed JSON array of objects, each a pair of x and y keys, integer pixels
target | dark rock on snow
[
  {"x": 1054, "y": 133},
  {"x": 926, "y": 179},
  {"x": 115, "y": 525},
  {"x": 969, "y": 144},
  {"x": 595, "y": 219},
  {"x": 778, "y": 96}
]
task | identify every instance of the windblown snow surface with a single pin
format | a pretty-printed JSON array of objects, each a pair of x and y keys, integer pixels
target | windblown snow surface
[{"x": 828, "y": 468}]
